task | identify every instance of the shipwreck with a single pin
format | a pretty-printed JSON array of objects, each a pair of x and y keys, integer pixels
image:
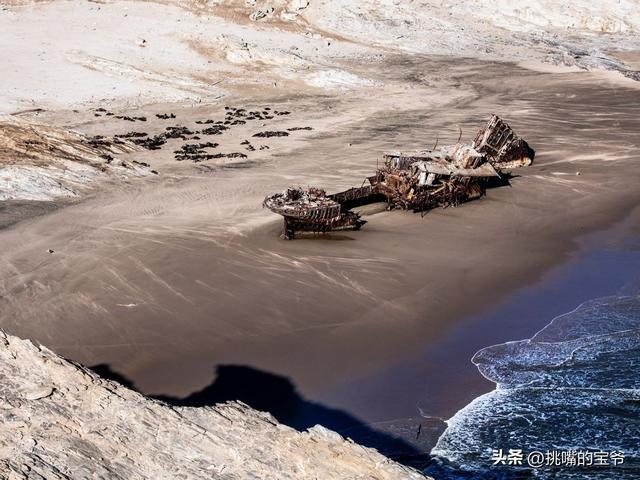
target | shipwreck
[{"x": 417, "y": 180}]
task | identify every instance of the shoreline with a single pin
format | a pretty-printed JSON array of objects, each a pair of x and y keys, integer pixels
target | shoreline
[
  {"x": 605, "y": 261},
  {"x": 524, "y": 363}
]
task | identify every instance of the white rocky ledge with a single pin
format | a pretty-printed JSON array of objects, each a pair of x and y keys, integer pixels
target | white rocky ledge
[{"x": 60, "y": 420}]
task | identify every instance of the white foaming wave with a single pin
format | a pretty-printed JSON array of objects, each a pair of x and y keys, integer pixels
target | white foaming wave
[
  {"x": 573, "y": 386},
  {"x": 540, "y": 419},
  {"x": 594, "y": 328}
]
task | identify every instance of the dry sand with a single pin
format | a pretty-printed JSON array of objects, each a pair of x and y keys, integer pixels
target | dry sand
[{"x": 166, "y": 278}]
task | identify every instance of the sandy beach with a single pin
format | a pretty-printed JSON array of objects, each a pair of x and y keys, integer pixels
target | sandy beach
[{"x": 165, "y": 279}]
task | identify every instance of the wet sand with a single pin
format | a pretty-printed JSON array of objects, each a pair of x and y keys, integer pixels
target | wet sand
[
  {"x": 166, "y": 279},
  {"x": 441, "y": 379}
]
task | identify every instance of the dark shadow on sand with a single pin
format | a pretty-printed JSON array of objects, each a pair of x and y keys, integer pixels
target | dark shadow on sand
[{"x": 268, "y": 392}]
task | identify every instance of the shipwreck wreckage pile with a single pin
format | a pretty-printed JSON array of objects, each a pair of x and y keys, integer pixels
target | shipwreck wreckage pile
[{"x": 418, "y": 180}]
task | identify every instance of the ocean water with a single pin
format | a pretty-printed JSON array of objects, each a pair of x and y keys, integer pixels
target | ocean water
[{"x": 573, "y": 387}]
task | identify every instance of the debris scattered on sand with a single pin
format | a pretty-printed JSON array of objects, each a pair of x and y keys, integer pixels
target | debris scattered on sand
[
  {"x": 235, "y": 155},
  {"x": 215, "y": 130},
  {"x": 195, "y": 152},
  {"x": 142, "y": 164},
  {"x": 270, "y": 134},
  {"x": 177, "y": 132},
  {"x": 152, "y": 143},
  {"x": 130, "y": 135},
  {"x": 418, "y": 180},
  {"x": 248, "y": 146},
  {"x": 99, "y": 112},
  {"x": 131, "y": 119}
]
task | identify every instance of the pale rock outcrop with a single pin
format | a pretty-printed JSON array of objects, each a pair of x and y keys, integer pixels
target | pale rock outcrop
[
  {"x": 62, "y": 421},
  {"x": 43, "y": 163}
]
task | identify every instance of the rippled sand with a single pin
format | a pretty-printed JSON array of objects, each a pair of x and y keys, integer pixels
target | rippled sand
[{"x": 166, "y": 279}]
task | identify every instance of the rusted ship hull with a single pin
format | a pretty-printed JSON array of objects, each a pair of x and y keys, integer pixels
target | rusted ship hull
[
  {"x": 311, "y": 211},
  {"x": 417, "y": 180},
  {"x": 348, "y": 221},
  {"x": 400, "y": 194}
]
